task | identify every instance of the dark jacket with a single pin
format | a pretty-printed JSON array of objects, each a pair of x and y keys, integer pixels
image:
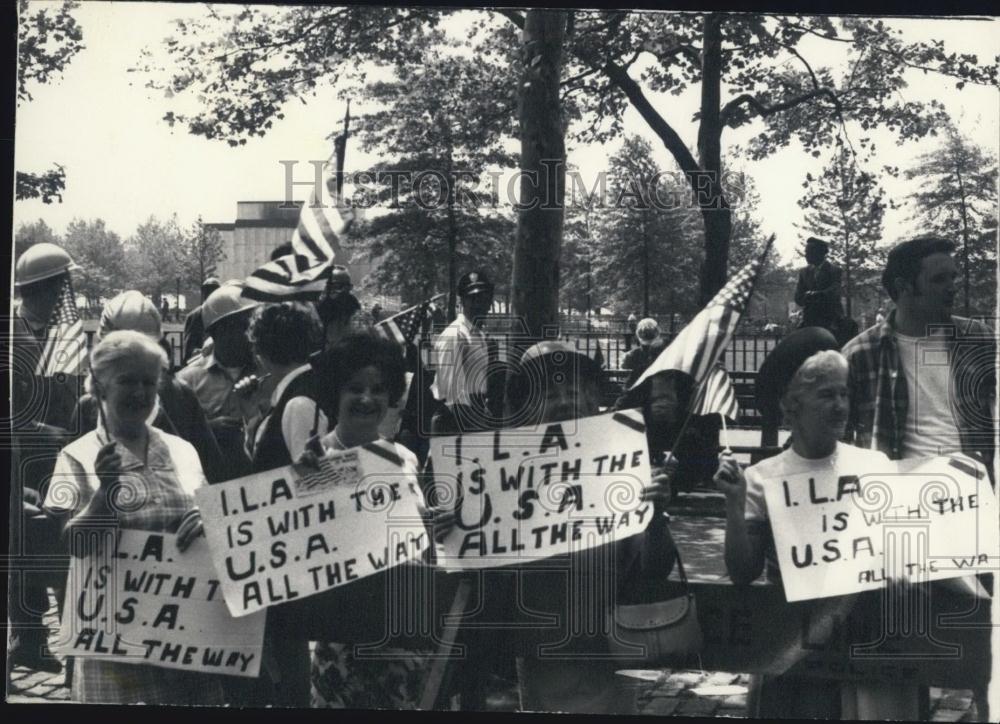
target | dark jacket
[{"x": 823, "y": 309}]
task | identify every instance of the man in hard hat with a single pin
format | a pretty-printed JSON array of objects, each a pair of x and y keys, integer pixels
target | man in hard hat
[
  {"x": 213, "y": 374},
  {"x": 41, "y": 410},
  {"x": 194, "y": 326},
  {"x": 461, "y": 362}
]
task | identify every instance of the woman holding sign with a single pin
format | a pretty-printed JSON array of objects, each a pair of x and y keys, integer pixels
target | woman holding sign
[
  {"x": 363, "y": 375},
  {"x": 129, "y": 474},
  {"x": 805, "y": 379}
]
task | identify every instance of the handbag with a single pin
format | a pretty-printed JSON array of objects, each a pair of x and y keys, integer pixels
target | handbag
[{"x": 659, "y": 633}]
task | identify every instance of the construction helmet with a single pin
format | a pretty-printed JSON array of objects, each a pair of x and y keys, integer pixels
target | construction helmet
[
  {"x": 130, "y": 310},
  {"x": 224, "y": 302},
  {"x": 41, "y": 261}
]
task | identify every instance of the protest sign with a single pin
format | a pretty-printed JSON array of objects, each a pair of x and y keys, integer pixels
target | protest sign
[
  {"x": 276, "y": 537},
  {"x": 844, "y": 532},
  {"x": 530, "y": 493},
  {"x": 142, "y": 601}
]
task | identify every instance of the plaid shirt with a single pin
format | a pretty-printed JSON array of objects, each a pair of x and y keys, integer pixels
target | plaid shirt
[{"x": 879, "y": 397}]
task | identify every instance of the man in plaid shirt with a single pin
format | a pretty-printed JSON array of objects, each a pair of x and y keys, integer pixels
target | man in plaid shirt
[{"x": 923, "y": 381}]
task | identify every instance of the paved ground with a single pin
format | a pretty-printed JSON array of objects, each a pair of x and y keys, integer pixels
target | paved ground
[{"x": 699, "y": 534}]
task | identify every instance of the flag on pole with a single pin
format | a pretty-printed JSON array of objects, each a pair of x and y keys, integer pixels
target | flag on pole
[
  {"x": 290, "y": 278},
  {"x": 404, "y": 327},
  {"x": 718, "y": 396},
  {"x": 65, "y": 344},
  {"x": 698, "y": 347},
  {"x": 323, "y": 221}
]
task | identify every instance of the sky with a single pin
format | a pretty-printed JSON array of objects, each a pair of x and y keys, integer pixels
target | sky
[{"x": 124, "y": 163}]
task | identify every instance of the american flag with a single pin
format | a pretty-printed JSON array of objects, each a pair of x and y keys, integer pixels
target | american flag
[
  {"x": 698, "y": 347},
  {"x": 65, "y": 344},
  {"x": 320, "y": 224},
  {"x": 718, "y": 396},
  {"x": 291, "y": 278},
  {"x": 405, "y": 326}
]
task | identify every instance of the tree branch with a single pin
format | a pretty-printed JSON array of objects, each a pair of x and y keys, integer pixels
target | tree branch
[
  {"x": 765, "y": 110},
  {"x": 512, "y": 15},
  {"x": 663, "y": 130}
]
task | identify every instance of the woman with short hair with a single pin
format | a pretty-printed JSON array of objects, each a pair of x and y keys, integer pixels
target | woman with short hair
[
  {"x": 363, "y": 376},
  {"x": 806, "y": 378},
  {"x": 177, "y": 409},
  {"x": 145, "y": 479},
  {"x": 282, "y": 337}
]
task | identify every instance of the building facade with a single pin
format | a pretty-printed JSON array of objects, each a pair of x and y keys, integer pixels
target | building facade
[{"x": 260, "y": 226}]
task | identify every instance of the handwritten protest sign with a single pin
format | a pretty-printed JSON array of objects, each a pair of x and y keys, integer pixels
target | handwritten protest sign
[
  {"x": 145, "y": 602},
  {"x": 530, "y": 493},
  {"x": 276, "y": 537},
  {"x": 852, "y": 531}
]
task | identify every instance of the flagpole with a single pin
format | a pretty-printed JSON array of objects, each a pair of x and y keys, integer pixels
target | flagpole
[{"x": 689, "y": 414}]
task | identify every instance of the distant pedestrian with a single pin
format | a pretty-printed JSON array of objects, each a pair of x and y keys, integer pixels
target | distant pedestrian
[
  {"x": 164, "y": 309},
  {"x": 632, "y": 322},
  {"x": 818, "y": 288},
  {"x": 651, "y": 343}
]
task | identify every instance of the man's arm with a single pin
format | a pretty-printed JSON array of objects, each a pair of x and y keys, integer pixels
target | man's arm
[{"x": 801, "y": 289}]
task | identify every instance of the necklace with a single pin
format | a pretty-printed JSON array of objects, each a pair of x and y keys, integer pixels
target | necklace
[{"x": 337, "y": 442}]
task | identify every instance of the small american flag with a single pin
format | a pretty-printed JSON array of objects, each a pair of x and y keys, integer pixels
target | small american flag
[
  {"x": 290, "y": 278},
  {"x": 718, "y": 396},
  {"x": 404, "y": 327},
  {"x": 65, "y": 344},
  {"x": 698, "y": 347},
  {"x": 320, "y": 226}
]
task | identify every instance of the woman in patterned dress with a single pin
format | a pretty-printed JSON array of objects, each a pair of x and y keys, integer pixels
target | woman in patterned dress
[
  {"x": 364, "y": 375},
  {"x": 144, "y": 479}
]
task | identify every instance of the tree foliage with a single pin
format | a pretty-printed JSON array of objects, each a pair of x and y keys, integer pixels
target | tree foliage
[
  {"x": 957, "y": 198},
  {"x": 243, "y": 65},
  {"x": 443, "y": 126},
  {"x": 622, "y": 57},
  {"x": 28, "y": 235},
  {"x": 153, "y": 260},
  {"x": 646, "y": 247},
  {"x": 100, "y": 254},
  {"x": 805, "y": 79},
  {"x": 846, "y": 205},
  {"x": 48, "y": 37},
  {"x": 199, "y": 251}
]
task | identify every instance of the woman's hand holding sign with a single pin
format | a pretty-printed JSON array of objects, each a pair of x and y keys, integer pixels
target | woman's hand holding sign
[{"x": 658, "y": 492}]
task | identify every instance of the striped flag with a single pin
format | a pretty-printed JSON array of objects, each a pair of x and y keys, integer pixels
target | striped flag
[
  {"x": 698, "y": 347},
  {"x": 65, "y": 345},
  {"x": 291, "y": 278},
  {"x": 718, "y": 396},
  {"x": 321, "y": 224},
  {"x": 404, "y": 327}
]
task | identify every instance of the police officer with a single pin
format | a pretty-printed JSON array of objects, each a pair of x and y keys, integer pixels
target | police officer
[
  {"x": 461, "y": 362},
  {"x": 41, "y": 410}
]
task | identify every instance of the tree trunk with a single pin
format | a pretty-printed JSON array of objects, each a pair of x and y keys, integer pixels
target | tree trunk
[
  {"x": 715, "y": 210},
  {"x": 965, "y": 239},
  {"x": 535, "y": 283},
  {"x": 645, "y": 268},
  {"x": 452, "y": 244}
]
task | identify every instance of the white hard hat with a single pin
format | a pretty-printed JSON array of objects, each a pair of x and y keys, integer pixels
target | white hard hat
[
  {"x": 130, "y": 310},
  {"x": 224, "y": 302},
  {"x": 41, "y": 261}
]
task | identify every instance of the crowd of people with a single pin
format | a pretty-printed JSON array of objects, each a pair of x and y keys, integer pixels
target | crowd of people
[{"x": 271, "y": 384}]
